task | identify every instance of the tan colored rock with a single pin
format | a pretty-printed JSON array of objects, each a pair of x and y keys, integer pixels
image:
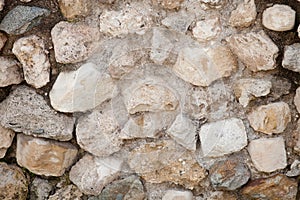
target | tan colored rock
[
  {"x": 6, "y": 138},
  {"x": 50, "y": 158},
  {"x": 179, "y": 21},
  {"x": 207, "y": 29},
  {"x": 279, "y": 17},
  {"x": 10, "y": 72},
  {"x": 276, "y": 187},
  {"x": 72, "y": 9},
  {"x": 268, "y": 154},
  {"x": 271, "y": 118},
  {"x": 69, "y": 192},
  {"x": 178, "y": 195},
  {"x": 297, "y": 99},
  {"x": 201, "y": 67},
  {"x": 244, "y": 15},
  {"x": 168, "y": 4},
  {"x": 3, "y": 37},
  {"x": 256, "y": 50},
  {"x": 291, "y": 58},
  {"x": 32, "y": 54},
  {"x": 2, "y": 3}
]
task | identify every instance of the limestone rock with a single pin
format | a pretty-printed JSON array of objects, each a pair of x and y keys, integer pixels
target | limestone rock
[
  {"x": 249, "y": 88},
  {"x": 230, "y": 174},
  {"x": 271, "y": 118},
  {"x": 22, "y": 18},
  {"x": 26, "y": 111},
  {"x": 69, "y": 192},
  {"x": 51, "y": 158},
  {"x": 81, "y": 90},
  {"x": 40, "y": 189},
  {"x": 268, "y": 154},
  {"x": 91, "y": 174},
  {"x": 244, "y": 15},
  {"x": 201, "y": 68},
  {"x": 73, "y": 42},
  {"x": 207, "y": 29},
  {"x": 291, "y": 59},
  {"x": 222, "y": 137},
  {"x": 179, "y": 21},
  {"x": 183, "y": 131},
  {"x": 275, "y": 187},
  {"x": 168, "y": 4},
  {"x": 72, "y": 9},
  {"x": 14, "y": 184},
  {"x": 279, "y": 17},
  {"x": 256, "y": 50},
  {"x": 10, "y": 72},
  {"x": 6, "y": 138},
  {"x": 176, "y": 194},
  {"x": 32, "y": 54},
  {"x": 3, "y": 38}
]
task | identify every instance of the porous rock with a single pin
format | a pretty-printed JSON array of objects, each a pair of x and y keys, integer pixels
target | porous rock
[{"x": 73, "y": 9}]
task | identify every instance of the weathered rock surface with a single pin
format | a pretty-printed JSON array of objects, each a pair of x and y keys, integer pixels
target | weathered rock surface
[
  {"x": 51, "y": 158},
  {"x": 69, "y": 192},
  {"x": 168, "y": 4},
  {"x": 81, "y": 90},
  {"x": 179, "y": 21},
  {"x": 201, "y": 67},
  {"x": 291, "y": 59},
  {"x": 222, "y": 137},
  {"x": 73, "y": 42},
  {"x": 13, "y": 183},
  {"x": 40, "y": 189},
  {"x": 26, "y": 111},
  {"x": 2, "y": 3},
  {"x": 3, "y": 38},
  {"x": 276, "y": 188},
  {"x": 207, "y": 29},
  {"x": 279, "y": 17},
  {"x": 268, "y": 154},
  {"x": 298, "y": 31},
  {"x": 256, "y": 50},
  {"x": 244, "y": 15},
  {"x": 297, "y": 99},
  {"x": 176, "y": 194},
  {"x": 10, "y": 72},
  {"x": 214, "y": 3},
  {"x": 6, "y": 138},
  {"x": 91, "y": 174},
  {"x": 73, "y": 9},
  {"x": 22, "y": 18},
  {"x": 295, "y": 169},
  {"x": 32, "y": 54},
  {"x": 270, "y": 118}
]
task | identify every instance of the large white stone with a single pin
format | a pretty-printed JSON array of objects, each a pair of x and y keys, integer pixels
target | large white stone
[
  {"x": 291, "y": 59},
  {"x": 81, "y": 90},
  {"x": 178, "y": 195},
  {"x": 6, "y": 138},
  {"x": 10, "y": 72},
  {"x": 207, "y": 29},
  {"x": 222, "y": 137},
  {"x": 244, "y": 15}
]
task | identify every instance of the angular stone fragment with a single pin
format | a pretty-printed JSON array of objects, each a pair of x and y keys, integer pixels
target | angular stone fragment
[
  {"x": 10, "y": 72},
  {"x": 214, "y": 3},
  {"x": 32, "y": 54},
  {"x": 268, "y": 154},
  {"x": 201, "y": 67},
  {"x": 168, "y": 4},
  {"x": 3, "y": 38},
  {"x": 13, "y": 183},
  {"x": 244, "y": 15},
  {"x": 276, "y": 187},
  {"x": 6, "y": 138},
  {"x": 69, "y": 192},
  {"x": 176, "y": 194},
  {"x": 50, "y": 158},
  {"x": 207, "y": 29},
  {"x": 40, "y": 189},
  {"x": 73, "y": 42},
  {"x": 92, "y": 174},
  {"x": 271, "y": 118},
  {"x": 22, "y": 18},
  {"x": 26, "y": 111},
  {"x": 279, "y": 17},
  {"x": 249, "y": 88},
  {"x": 222, "y": 137},
  {"x": 291, "y": 59},
  {"x": 72, "y": 9},
  {"x": 256, "y": 50},
  {"x": 81, "y": 90},
  {"x": 179, "y": 21}
]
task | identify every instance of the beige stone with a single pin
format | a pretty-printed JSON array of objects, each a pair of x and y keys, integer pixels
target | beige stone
[
  {"x": 270, "y": 118},
  {"x": 69, "y": 192},
  {"x": 207, "y": 29},
  {"x": 291, "y": 58},
  {"x": 168, "y": 4},
  {"x": 3, "y": 37},
  {"x": 256, "y": 50},
  {"x": 6, "y": 138},
  {"x": 297, "y": 99},
  {"x": 244, "y": 15},
  {"x": 44, "y": 157},
  {"x": 72, "y": 9},
  {"x": 10, "y": 72},
  {"x": 268, "y": 154},
  {"x": 178, "y": 195}
]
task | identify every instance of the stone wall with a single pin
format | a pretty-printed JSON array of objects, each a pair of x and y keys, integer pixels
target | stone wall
[{"x": 149, "y": 99}]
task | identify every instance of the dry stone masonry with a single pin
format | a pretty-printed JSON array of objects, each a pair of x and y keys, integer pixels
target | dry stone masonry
[{"x": 149, "y": 100}]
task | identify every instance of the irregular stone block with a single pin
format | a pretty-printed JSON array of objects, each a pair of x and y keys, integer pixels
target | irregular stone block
[
  {"x": 176, "y": 194},
  {"x": 72, "y": 9},
  {"x": 179, "y": 21},
  {"x": 244, "y": 15},
  {"x": 207, "y": 29},
  {"x": 291, "y": 59},
  {"x": 40, "y": 189},
  {"x": 10, "y": 72},
  {"x": 6, "y": 138},
  {"x": 168, "y": 4},
  {"x": 69, "y": 192}
]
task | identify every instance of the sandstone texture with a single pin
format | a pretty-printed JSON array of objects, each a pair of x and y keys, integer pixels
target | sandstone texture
[
  {"x": 207, "y": 29},
  {"x": 244, "y": 15},
  {"x": 10, "y": 72},
  {"x": 74, "y": 9},
  {"x": 6, "y": 138}
]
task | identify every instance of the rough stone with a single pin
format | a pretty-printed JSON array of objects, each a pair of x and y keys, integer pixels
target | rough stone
[
  {"x": 268, "y": 154},
  {"x": 279, "y": 17},
  {"x": 201, "y": 68},
  {"x": 81, "y": 90},
  {"x": 22, "y": 18},
  {"x": 270, "y": 118},
  {"x": 275, "y": 187},
  {"x": 256, "y": 50},
  {"x": 166, "y": 161},
  {"x": 10, "y": 72},
  {"x": 230, "y": 174},
  {"x": 6, "y": 138},
  {"x": 179, "y": 21},
  {"x": 73, "y": 42},
  {"x": 91, "y": 174},
  {"x": 51, "y": 158},
  {"x": 3, "y": 38},
  {"x": 222, "y": 137},
  {"x": 13, "y": 183},
  {"x": 297, "y": 99},
  {"x": 183, "y": 131},
  {"x": 73, "y": 9},
  {"x": 249, "y": 88},
  {"x": 244, "y": 15},
  {"x": 32, "y": 54},
  {"x": 176, "y": 194},
  {"x": 213, "y": 3},
  {"x": 291, "y": 59},
  {"x": 69, "y": 192},
  {"x": 168, "y": 4},
  {"x": 2, "y": 3},
  {"x": 207, "y": 29},
  {"x": 26, "y": 111},
  {"x": 295, "y": 169},
  {"x": 298, "y": 31},
  {"x": 40, "y": 189}
]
